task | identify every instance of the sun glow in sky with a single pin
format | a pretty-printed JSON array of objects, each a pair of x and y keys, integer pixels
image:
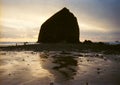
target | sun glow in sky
[{"x": 20, "y": 20}]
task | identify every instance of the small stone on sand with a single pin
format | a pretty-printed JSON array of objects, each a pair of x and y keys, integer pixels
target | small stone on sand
[{"x": 51, "y": 83}]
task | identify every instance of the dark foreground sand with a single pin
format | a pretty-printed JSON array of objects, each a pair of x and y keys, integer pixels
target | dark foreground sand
[{"x": 58, "y": 67}]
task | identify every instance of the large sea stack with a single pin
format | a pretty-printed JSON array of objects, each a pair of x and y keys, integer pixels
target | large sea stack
[{"x": 62, "y": 27}]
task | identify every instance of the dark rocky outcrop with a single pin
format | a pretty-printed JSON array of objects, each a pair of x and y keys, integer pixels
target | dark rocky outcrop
[{"x": 62, "y": 27}]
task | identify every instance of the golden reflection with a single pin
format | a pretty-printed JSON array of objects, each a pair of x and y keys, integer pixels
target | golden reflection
[{"x": 22, "y": 62}]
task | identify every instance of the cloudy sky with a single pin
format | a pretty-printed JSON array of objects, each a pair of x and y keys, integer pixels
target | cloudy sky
[{"x": 20, "y": 20}]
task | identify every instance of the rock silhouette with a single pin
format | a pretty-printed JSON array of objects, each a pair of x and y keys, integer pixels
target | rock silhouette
[{"x": 62, "y": 27}]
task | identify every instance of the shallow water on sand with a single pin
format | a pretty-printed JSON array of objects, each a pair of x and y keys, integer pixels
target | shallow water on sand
[{"x": 59, "y": 68}]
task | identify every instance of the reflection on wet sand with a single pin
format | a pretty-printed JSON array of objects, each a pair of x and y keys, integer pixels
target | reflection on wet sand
[
  {"x": 58, "y": 68},
  {"x": 22, "y": 68},
  {"x": 63, "y": 67}
]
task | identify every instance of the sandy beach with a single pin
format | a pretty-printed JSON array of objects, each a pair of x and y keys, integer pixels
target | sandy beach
[{"x": 58, "y": 68}]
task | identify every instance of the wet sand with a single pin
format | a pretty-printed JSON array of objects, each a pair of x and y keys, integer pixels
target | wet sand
[{"x": 59, "y": 68}]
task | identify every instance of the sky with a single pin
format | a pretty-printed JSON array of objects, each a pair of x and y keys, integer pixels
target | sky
[{"x": 20, "y": 20}]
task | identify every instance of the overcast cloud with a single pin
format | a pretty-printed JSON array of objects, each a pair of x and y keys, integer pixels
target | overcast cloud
[{"x": 99, "y": 20}]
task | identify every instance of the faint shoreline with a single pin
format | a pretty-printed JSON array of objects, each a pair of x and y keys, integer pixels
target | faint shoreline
[{"x": 89, "y": 47}]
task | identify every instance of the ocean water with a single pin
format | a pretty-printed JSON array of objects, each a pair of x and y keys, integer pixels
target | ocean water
[{"x": 14, "y": 43}]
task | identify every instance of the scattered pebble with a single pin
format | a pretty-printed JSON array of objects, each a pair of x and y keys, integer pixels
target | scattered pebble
[
  {"x": 9, "y": 74},
  {"x": 79, "y": 55},
  {"x": 51, "y": 83},
  {"x": 96, "y": 55},
  {"x": 2, "y": 53},
  {"x": 80, "y": 60},
  {"x": 32, "y": 52},
  {"x": 88, "y": 60},
  {"x": 86, "y": 83},
  {"x": 105, "y": 59},
  {"x": 98, "y": 72},
  {"x": 23, "y": 60},
  {"x": 98, "y": 68}
]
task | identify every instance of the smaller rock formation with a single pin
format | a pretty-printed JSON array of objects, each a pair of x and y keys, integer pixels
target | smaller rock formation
[{"x": 62, "y": 27}]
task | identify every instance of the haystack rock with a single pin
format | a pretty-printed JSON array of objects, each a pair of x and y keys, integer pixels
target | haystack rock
[{"x": 62, "y": 27}]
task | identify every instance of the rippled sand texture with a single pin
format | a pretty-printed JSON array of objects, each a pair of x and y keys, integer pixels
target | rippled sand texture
[{"x": 59, "y": 68}]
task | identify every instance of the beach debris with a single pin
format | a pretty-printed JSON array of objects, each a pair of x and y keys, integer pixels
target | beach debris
[
  {"x": 98, "y": 72},
  {"x": 2, "y": 53},
  {"x": 81, "y": 61},
  {"x": 23, "y": 59},
  {"x": 88, "y": 60},
  {"x": 98, "y": 68},
  {"x": 86, "y": 83},
  {"x": 79, "y": 55},
  {"x": 105, "y": 59},
  {"x": 65, "y": 52},
  {"x": 9, "y": 74},
  {"x": 51, "y": 83}
]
